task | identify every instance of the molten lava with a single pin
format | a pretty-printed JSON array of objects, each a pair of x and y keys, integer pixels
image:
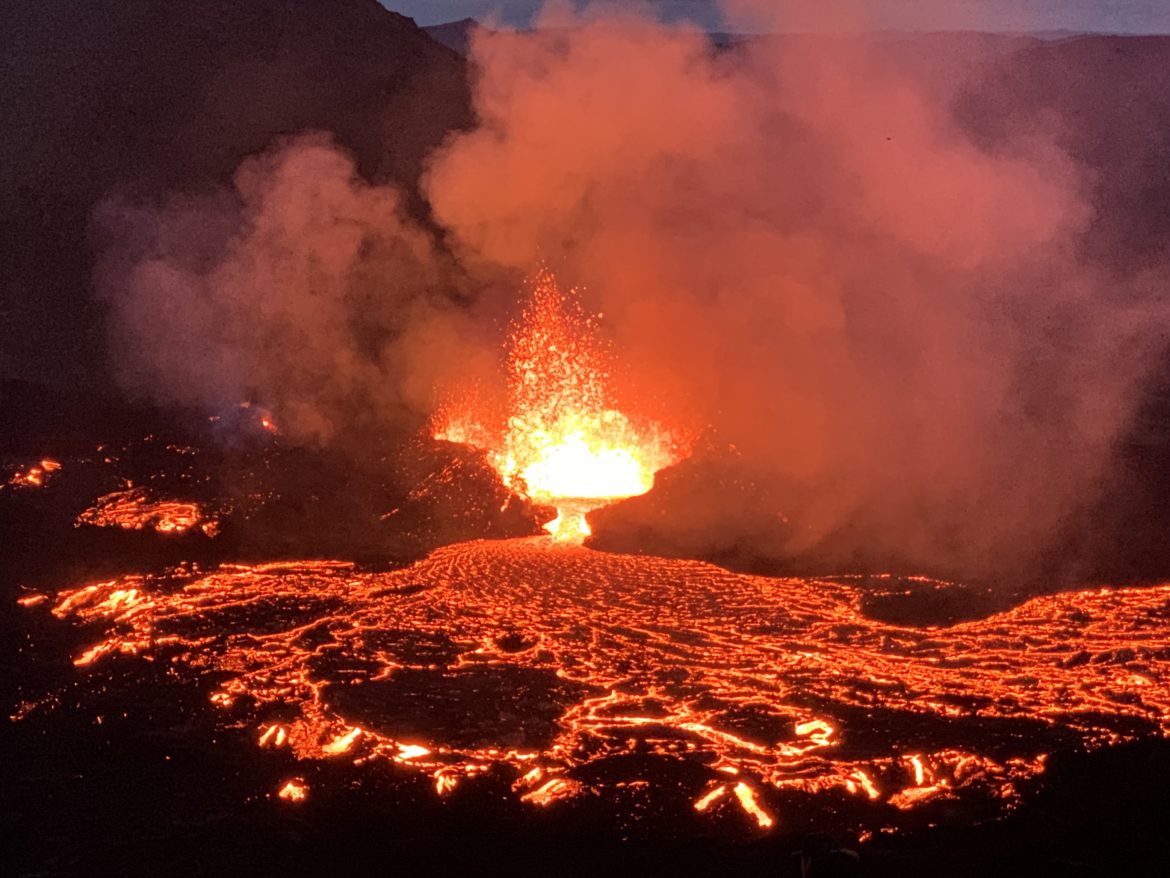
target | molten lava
[
  {"x": 585, "y": 674},
  {"x": 36, "y": 476},
  {"x": 294, "y": 791},
  {"x": 564, "y": 442},
  {"x": 136, "y": 509}
]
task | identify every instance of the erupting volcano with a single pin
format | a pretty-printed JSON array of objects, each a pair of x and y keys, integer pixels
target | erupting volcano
[
  {"x": 568, "y": 674},
  {"x": 823, "y": 490},
  {"x": 563, "y": 442}
]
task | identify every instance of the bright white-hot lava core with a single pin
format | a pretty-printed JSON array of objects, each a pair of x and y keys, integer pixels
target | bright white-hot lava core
[{"x": 564, "y": 442}]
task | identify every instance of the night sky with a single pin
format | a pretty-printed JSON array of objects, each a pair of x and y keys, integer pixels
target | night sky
[{"x": 1110, "y": 16}]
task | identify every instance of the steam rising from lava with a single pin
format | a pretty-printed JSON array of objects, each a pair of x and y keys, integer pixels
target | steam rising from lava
[{"x": 802, "y": 240}]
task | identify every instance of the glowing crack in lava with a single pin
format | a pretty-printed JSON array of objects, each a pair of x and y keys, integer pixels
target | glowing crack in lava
[
  {"x": 575, "y": 672},
  {"x": 564, "y": 443}
]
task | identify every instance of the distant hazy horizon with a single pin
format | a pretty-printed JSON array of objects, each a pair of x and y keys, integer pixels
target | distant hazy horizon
[{"x": 1010, "y": 16}]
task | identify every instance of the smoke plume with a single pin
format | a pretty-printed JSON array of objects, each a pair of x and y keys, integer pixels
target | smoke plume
[
  {"x": 304, "y": 288},
  {"x": 796, "y": 243}
]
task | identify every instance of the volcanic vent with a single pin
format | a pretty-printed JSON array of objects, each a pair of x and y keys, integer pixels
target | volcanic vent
[{"x": 562, "y": 440}]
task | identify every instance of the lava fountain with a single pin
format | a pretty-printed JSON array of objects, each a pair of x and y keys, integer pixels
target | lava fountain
[{"x": 564, "y": 442}]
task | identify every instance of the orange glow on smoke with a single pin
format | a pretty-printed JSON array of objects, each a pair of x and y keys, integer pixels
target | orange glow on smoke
[{"x": 564, "y": 443}]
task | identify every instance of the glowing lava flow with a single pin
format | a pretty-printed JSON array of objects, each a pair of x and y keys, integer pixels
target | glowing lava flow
[
  {"x": 582, "y": 674},
  {"x": 36, "y": 476},
  {"x": 564, "y": 443},
  {"x": 136, "y": 508}
]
